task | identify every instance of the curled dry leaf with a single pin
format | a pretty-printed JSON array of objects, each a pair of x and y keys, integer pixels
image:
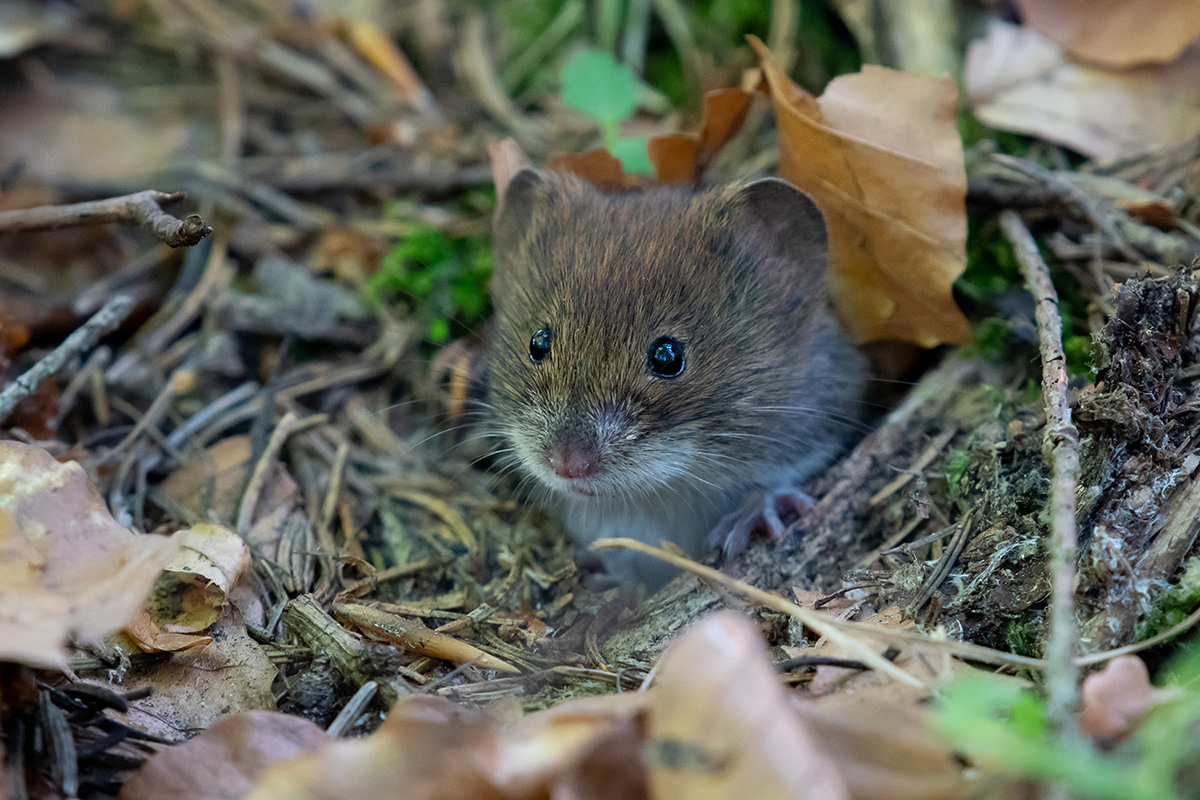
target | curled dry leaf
[
  {"x": 203, "y": 685},
  {"x": 880, "y": 154},
  {"x": 1017, "y": 80},
  {"x": 1116, "y": 33},
  {"x": 153, "y": 639},
  {"x": 67, "y": 568},
  {"x": 194, "y": 587},
  {"x": 226, "y": 760},
  {"x": 1115, "y": 698},
  {"x": 721, "y": 724}
]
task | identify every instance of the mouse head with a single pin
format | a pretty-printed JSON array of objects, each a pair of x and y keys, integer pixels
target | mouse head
[{"x": 644, "y": 341}]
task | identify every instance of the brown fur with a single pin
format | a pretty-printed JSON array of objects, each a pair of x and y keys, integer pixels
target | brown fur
[{"x": 736, "y": 274}]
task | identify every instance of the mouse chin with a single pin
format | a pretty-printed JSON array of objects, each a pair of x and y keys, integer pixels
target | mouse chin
[{"x": 573, "y": 487}]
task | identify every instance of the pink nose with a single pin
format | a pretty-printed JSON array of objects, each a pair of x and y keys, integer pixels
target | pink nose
[{"x": 573, "y": 461}]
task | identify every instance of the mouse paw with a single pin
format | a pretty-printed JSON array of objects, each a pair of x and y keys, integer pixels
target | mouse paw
[{"x": 770, "y": 511}]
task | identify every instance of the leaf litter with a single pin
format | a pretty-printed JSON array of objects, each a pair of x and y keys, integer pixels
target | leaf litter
[{"x": 337, "y": 548}]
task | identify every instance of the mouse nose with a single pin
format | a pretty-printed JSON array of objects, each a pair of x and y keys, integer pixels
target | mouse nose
[{"x": 573, "y": 459}]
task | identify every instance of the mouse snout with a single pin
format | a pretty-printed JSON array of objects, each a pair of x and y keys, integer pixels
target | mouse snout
[{"x": 573, "y": 456}]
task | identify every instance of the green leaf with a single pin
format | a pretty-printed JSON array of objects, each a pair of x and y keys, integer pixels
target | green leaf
[
  {"x": 632, "y": 155},
  {"x": 594, "y": 83}
]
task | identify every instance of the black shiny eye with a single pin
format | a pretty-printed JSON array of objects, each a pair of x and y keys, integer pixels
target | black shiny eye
[
  {"x": 665, "y": 358},
  {"x": 539, "y": 345}
]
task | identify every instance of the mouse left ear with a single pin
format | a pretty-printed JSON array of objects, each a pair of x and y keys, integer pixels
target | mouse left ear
[{"x": 783, "y": 221}]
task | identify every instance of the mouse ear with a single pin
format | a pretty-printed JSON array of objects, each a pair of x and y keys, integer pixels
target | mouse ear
[
  {"x": 784, "y": 221},
  {"x": 517, "y": 206}
]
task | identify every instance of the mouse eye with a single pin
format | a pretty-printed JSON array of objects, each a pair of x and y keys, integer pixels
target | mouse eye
[
  {"x": 665, "y": 358},
  {"x": 539, "y": 345}
]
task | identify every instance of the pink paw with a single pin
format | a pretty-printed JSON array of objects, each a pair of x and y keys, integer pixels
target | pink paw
[{"x": 765, "y": 510}]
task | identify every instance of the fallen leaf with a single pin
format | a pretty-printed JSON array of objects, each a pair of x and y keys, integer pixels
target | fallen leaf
[
  {"x": 1116, "y": 33},
  {"x": 212, "y": 480},
  {"x": 67, "y": 568},
  {"x": 1115, "y": 698},
  {"x": 880, "y": 154},
  {"x": 883, "y": 745},
  {"x": 200, "y": 687},
  {"x": 721, "y": 724},
  {"x": 427, "y": 749},
  {"x": 194, "y": 587},
  {"x": 1017, "y": 80},
  {"x": 55, "y": 135},
  {"x": 226, "y": 760},
  {"x": 683, "y": 157},
  {"x": 149, "y": 637},
  {"x": 598, "y": 167}
]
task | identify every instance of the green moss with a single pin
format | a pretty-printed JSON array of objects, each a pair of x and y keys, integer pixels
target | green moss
[
  {"x": 441, "y": 279},
  {"x": 1024, "y": 637},
  {"x": 1180, "y": 600}
]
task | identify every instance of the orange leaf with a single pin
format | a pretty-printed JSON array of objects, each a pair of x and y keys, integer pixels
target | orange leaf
[
  {"x": 881, "y": 156},
  {"x": 598, "y": 167},
  {"x": 683, "y": 157}
]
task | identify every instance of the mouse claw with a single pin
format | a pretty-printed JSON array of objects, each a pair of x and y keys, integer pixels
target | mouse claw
[{"x": 769, "y": 511}]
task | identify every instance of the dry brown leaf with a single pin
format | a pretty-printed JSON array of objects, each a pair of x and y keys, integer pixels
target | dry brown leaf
[
  {"x": 683, "y": 157},
  {"x": 431, "y": 749},
  {"x": 721, "y": 724},
  {"x": 427, "y": 749},
  {"x": 194, "y": 587},
  {"x": 56, "y": 134},
  {"x": 1116, "y": 33},
  {"x": 212, "y": 480},
  {"x": 1016, "y": 80},
  {"x": 598, "y": 167},
  {"x": 883, "y": 745},
  {"x": 880, "y": 154},
  {"x": 1115, "y": 698},
  {"x": 226, "y": 760},
  {"x": 199, "y": 687},
  {"x": 67, "y": 568},
  {"x": 153, "y": 639}
]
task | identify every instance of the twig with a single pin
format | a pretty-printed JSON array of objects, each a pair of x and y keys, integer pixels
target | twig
[
  {"x": 352, "y": 710},
  {"x": 822, "y": 624},
  {"x": 1060, "y": 447},
  {"x": 141, "y": 208},
  {"x": 105, "y": 320}
]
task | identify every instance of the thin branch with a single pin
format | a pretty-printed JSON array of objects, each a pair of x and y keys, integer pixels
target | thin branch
[
  {"x": 141, "y": 208},
  {"x": 104, "y": 320},
  {"x": 1060, "y": 447}
]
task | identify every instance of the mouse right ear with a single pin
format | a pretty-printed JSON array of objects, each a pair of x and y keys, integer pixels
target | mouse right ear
[{"x": 517, "y": 206}]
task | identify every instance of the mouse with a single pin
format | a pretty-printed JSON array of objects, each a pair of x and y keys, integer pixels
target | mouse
[{"x": 664, "y": 364}]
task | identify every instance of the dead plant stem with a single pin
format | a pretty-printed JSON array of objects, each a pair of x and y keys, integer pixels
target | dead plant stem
[{"x": 1060, "y": 447}]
